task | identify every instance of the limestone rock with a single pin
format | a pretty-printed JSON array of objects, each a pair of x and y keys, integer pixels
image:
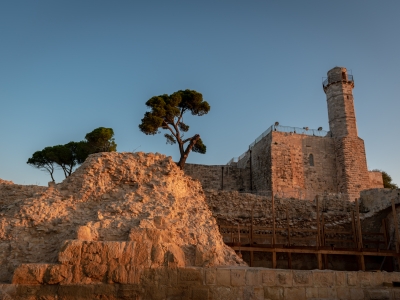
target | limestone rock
[{"x": 117, "y": 213}]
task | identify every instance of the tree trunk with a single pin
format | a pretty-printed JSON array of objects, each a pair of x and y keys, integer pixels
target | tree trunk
[{"x": 183, "y": 158}]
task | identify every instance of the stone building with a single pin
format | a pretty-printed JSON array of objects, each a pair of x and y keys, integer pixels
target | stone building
[{"x": 302, "y": 162}]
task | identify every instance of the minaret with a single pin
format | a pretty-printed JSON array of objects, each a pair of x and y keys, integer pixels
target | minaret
[
  {"x": 351, "y": 163},
  {"x": 339, "y": 95}
]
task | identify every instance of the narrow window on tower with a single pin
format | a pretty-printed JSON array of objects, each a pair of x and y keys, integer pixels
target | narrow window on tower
[
  {"x": 343, "y": 75},
  {"x": 311, "y": 160}
]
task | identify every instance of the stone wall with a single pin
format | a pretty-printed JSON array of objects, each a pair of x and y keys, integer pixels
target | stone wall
[
  {"x": 217, "y": 177},
  {"x": 279, "y": 161},
  {"x": 351, "y": 163},
  {"x": 375, "y": 180},
  {"x": 229, "y": 283},
  {"x": 292, "y": 168},
  {"x": 261, "y": 164}
]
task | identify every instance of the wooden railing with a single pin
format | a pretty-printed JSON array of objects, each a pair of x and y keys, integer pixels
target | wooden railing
[{"x": 320, "y": 240}]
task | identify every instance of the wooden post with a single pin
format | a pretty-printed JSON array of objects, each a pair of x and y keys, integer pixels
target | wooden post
[
  {"x": 396, "y": 228},
  {"x": 385, "y": 235},
  {"x": 353, "y": 226},
  {"x": 274, "y": 260},
  {"x": 289, "y": 240},
  {"x": 251, "y": 236},
  {"x": 323, "y": 241},
  {"x": 273, "y": 221},
  {"x": 360, "y": 241},
  {"x": 251, "y": 226},
  {"x": 318, "y": 243},
  {"x": 239, "y": 233}
]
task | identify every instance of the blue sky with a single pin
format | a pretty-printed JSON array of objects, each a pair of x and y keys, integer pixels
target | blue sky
[{"x": 68, "y": 67}]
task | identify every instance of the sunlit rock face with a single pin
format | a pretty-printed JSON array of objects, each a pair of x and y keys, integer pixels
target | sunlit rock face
[{"x": 119, "y": 212}]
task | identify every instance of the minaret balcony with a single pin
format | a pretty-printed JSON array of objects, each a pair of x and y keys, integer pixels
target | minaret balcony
[{"x": 339, "y": 78}]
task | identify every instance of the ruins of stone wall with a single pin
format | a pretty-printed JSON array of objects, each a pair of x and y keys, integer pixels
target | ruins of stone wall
[
  {"x": 375, "y": 180},
  {"x": 291, "y": 167},
  {"x": 237, "y": 208},
  {"x": 229, "y": 283},
  {"x": 351, "y": 166},
  {"x": 261, "y": 164},
  {"x": 376, "y": 200},
  {"x": 216, "y": 177}
]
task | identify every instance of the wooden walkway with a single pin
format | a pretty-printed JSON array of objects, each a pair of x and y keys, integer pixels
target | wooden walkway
[{"x": 323, "y": 241}]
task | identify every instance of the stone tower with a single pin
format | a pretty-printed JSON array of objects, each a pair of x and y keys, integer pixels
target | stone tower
[{"x": 351, "y": 163}]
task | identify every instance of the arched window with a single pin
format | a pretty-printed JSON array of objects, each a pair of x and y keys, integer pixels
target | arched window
[{"x": 311, "y": 160}]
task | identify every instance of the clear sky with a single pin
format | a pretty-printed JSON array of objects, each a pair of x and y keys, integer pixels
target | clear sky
[{"x": 68, "y": 67}]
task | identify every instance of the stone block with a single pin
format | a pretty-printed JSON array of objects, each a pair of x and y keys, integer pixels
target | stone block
[
  {"x": 224, "y": 277},
  {"x": 76, "y": 291},
  {"x": 376, "y": 279},
  {"x": 70, "y": 252},
  {"x": 396, "y": 295},
  {"x": 253, "y": 293},
  {"x": 352, "y": 279},
  {"x": 8, "y": 290},
  {"x": 95, "y": 271},
  {"x": 133, "y": 274},
  {"x": 168, "y": 276},
  {"x": 178, "y": 292},
  {"x": 105, "y": 290},
  {"x": 284, "y": 278},
  {"x": 273, "y": 293},
  {"x": 341, "y": 278},
  {"x": 311, "y": 292},
  {"x": 84, "y": 233},
  {"x": 302, "y": 278},
  {"x": 268, "y": 277},
  {"x": 391, "y": 276},
  {"x": 190, "y": 275},
  {"x": 324, "y": 278},
  {"x": 380, "y": 294},
  {"x": 200, "y": 293},
  {"x": 357, "y": 294},
  {"x": 395, "y": 276},
  {"x": 253, "y": 277},
  {"x": 364, "y": 278},
  {"x": 296, "y": 293},
  {"x": 343, "y": 293},
  {"x": 156, "y": 293},
  {"x": 226, "y": 293},
  {"x": 56, "y": 274},
  {"x": 126, "y": 291},
  {"x": 238, "y": 277},
  {"x": 210, "y": 276},
  {"x": 30, "y": 274},
  {"x": 327, "y": 292},
  {"x": 119, "y": 275}
]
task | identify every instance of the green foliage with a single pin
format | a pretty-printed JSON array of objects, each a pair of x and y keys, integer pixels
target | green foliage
[
  {"x": 170, "y": 139},
  {"x": 101, "y": 140},
  {"x": 199, "y": 147},
  {"x": 387, "y": 181},
  {"x": 43, "y": 160},
  {"x": 72, "y": 154},
  {"x": 166, "y": 112}
]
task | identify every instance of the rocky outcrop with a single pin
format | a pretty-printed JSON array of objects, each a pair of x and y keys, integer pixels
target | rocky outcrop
[
  {"x": 5, "y": 181},
  {"x": 117, "y": 213}
]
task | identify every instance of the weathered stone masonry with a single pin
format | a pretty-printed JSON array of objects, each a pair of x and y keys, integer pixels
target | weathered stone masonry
[{"x": 292, "y": 163}]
